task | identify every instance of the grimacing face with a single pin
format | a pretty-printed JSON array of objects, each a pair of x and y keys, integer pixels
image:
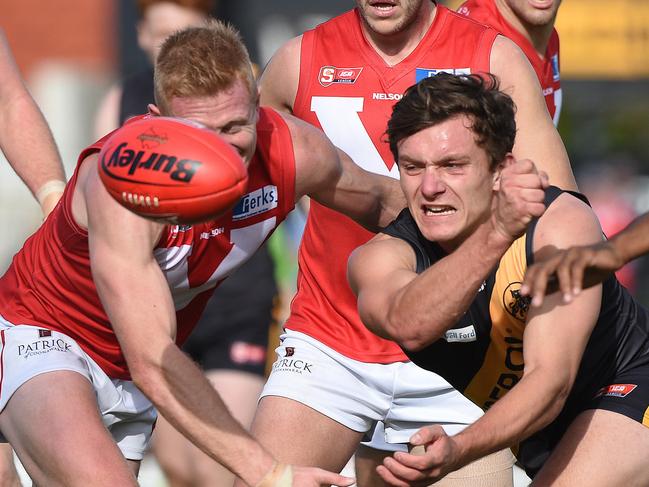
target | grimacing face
[
  {"x": 447, "y": 181},
  {"x": 387, "y": 17},
  {"x": 231, "y": 113}
]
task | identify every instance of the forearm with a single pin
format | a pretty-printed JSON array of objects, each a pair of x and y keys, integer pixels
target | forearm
[
  {"x": 28, "y": 144},
  {"x": 634, "y": 240},
  {"x": 429, "y": 305},
  {"x": 531, "y": 405},
  {"x": 188, "y": 401}
]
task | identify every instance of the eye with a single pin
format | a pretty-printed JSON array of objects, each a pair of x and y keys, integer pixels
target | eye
[{"x": 231, "y": 128}]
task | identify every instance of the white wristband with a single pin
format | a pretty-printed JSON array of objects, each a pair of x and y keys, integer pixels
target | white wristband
[{"x": 52, "y": 186}]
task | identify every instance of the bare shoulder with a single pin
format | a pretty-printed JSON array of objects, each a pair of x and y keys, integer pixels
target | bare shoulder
[
  {"x": 317, "y": 163},
  {"x": 280, "y": 78},
  {"x": 504, "y": 51},
  {"x": 568, "y": 221},
  {"x": 509, "y": 63},
  {"x": 307, "y": 139}
]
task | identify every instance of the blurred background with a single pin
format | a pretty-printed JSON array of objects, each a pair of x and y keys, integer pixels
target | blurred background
[{"x": 71, "y": 51}]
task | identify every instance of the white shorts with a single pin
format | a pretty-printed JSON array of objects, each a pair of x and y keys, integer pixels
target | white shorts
[
  {"x": 358, "y": 394},
  {"x": 27, "y": 351}
]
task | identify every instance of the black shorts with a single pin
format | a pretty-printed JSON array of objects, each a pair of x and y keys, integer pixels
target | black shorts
[
  {"x": 627, "y": 394},
  {"x": 233, "y": 330}
]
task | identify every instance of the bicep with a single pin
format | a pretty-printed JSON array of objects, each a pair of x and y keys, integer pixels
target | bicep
[
  {"x": 377, "y": 272},
  {"x": 536, "y": 137},
  {"x": 556, "y": 333},
  {"x": 280, "y": 78}
]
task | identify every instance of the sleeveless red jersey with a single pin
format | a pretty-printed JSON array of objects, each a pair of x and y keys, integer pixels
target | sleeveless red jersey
[
  {"x": 547, "y": 68},
  {"x": 49, "y": 283},
  {"x": 346, "y": 88}
]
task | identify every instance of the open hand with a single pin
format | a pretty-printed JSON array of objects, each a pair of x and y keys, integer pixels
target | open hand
[
  {"x": 570, "y": 271},
  {"x": 440, "y": 456}
]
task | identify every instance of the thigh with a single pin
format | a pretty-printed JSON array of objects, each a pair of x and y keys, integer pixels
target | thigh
[
  {"x": 600, "y": 448},
  {"x": 298, "y": 434},
  {"x": 8, "y": 473},
  {"x": 53, "y": 423},
  {"x": 365, "y": 463}
]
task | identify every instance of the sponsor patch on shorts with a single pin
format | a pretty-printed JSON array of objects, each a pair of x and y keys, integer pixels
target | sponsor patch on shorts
[
  {"x": 296, "y": 366},
  {"x": 45, "y": 344},
  {"x": 616, "y": 390}
]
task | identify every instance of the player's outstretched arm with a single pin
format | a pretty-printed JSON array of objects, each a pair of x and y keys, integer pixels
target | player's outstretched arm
[
  {"x": 536, "y": 136},
  {"x": 25, "y": 138},
  {"x": 279, "y": 81},
  {"x": 330, "y": 177},
  {"x": 571, "y": 270},
  {"x": 554, "y": 340},
  {"x": 401, "y": 306},
  {"x": 136, "y": 297}
]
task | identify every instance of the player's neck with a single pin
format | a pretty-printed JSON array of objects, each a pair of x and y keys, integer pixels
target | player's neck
[
  {"x": 394, "y": 48},
  {"x": 538, "y": 35}
]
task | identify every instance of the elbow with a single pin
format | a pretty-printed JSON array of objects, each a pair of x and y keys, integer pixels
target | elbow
[
  {"x": 410, "y": 336},
  {"x": 414, "y": 343},
  {"x": 146, "y": 377}
]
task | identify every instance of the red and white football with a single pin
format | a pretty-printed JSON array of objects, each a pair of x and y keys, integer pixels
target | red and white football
[{"x": 172, "y": 170}]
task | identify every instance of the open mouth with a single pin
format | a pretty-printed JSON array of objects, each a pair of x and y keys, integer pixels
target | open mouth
[
  {"x": 383, "y": 7},
  {"x": 438, "y": 210}
]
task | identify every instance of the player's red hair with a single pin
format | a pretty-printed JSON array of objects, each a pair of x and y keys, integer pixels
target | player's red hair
[{"x": 202, "y": 61}]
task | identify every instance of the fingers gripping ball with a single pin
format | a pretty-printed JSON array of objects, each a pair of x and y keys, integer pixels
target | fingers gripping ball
[{"x": 172, "y": 170}]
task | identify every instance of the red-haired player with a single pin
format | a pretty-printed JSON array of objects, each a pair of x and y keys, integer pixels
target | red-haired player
[{"x": 96, "y": 303}]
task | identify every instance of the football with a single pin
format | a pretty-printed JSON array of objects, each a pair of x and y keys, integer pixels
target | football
[{"x": 171, "y": 170}]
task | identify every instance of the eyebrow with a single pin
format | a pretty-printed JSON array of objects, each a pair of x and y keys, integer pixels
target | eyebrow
[{"x": 444, "y": 160}]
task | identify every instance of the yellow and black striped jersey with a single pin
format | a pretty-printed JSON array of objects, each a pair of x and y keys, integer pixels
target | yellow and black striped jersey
[{"x": 482, "y": 355}]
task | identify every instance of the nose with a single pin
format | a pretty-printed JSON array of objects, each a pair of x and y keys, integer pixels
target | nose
[{"x": 431, "y": 184}]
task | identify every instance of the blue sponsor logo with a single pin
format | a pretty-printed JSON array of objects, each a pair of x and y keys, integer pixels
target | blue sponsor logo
[
  {"x": 423, "y": 73},
  {"x": 555, "y": 67},
  {"x": 259, "y": 201}
]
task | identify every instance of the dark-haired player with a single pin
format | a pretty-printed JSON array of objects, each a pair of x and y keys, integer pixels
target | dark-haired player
[
  {"x": 95, "y": 305},
  {"x": 345, "y": 76},
  {"x": 567, "y": 382}
]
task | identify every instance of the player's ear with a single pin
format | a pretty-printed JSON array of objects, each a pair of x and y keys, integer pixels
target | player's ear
[
  {"x": 507, "y": 161},
  {"x": 153, "y": 110}
]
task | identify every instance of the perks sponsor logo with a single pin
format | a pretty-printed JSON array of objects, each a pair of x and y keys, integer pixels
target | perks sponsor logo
[
  {"x": 423, "y": 73},
  {"x": 296, "y": 366},
  {"x": 40, "y": 347},
  {"x": 259, "y": 201},
  {"x": 466, "y": 334},
  {"x": 332, "y": 75},
  {"x": 616, "y": 390}
]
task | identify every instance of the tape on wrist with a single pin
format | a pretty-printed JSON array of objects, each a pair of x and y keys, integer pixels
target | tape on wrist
[
  {"x": 52, "y": 186},
  {"x": 281, "y": 475}
]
